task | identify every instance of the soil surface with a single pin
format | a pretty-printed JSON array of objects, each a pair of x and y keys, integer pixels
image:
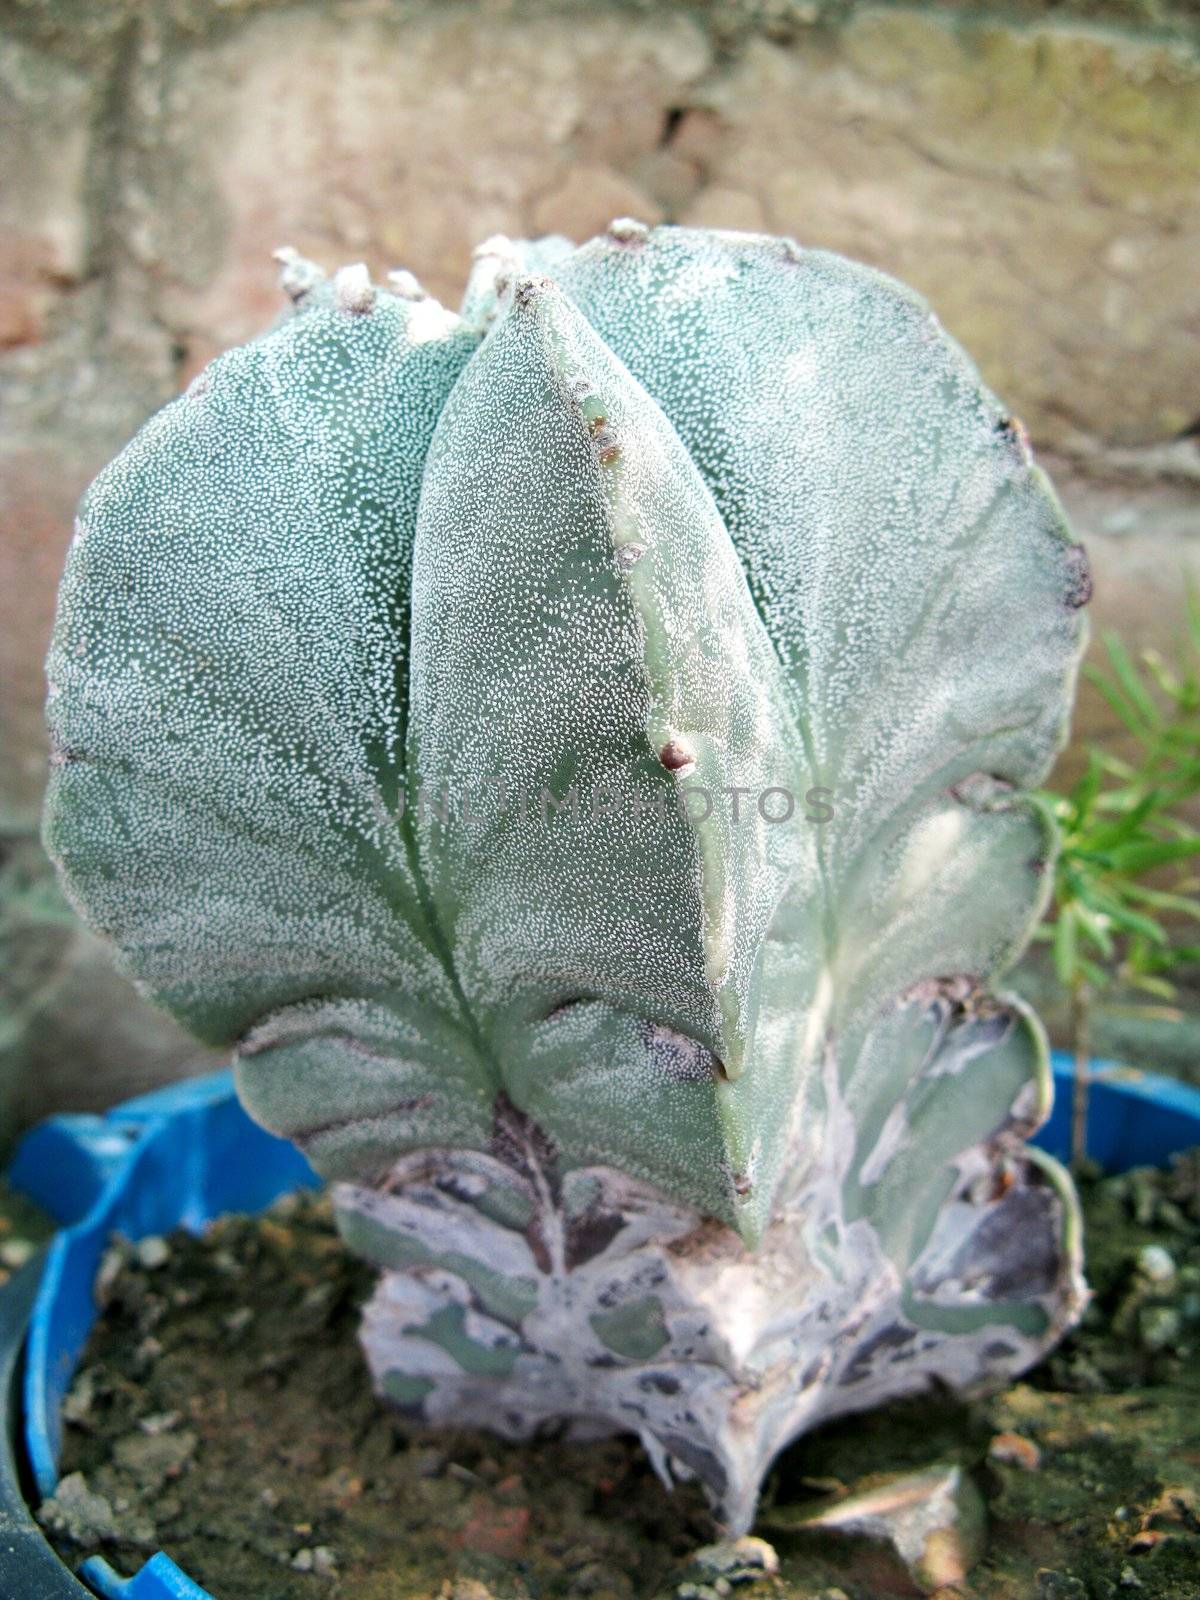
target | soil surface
[{"x": 222, "y": 1413}]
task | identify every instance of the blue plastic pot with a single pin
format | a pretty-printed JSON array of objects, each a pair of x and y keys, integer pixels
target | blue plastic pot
[
  {"x": 174, "y": 1158},
  {"x": 183, "y": 1155}
]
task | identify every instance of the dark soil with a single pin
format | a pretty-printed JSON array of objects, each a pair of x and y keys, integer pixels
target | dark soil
[
  {"x": 22, "y": 1229},
  {"x": 222, "y": 1413}
]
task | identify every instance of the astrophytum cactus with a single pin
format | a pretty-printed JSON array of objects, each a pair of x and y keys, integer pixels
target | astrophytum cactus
[{"x": 574, "y": 751}]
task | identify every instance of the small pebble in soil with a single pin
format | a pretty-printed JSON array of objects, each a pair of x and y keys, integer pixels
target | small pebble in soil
[
  {"x": 319, "y": 1559},
  {"x": 23, "y": 1228},
  {"x": 1156, "y": 1264},
  {"x": 465, "y": 1589},
  {"x": 1015, "y": 1449},
  {"x": 158, "y": 1422},
  {"x": 1051, "y": 1585},
  {"x": 737, "y": 1560},
  {"x": 152, "y": 1252},
  {"x": 14, "y": 1253}
]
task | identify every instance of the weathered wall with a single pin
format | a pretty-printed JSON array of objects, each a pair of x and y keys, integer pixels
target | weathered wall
[
  {"x": 1039, "y": 183},
  {"x": 1038, "y": 178}
]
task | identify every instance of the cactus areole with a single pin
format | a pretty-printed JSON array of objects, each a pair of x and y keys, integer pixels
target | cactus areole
[{"x": 574, "y": 751}]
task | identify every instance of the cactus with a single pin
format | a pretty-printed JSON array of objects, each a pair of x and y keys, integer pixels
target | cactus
[{"x": 574, "y": 752}]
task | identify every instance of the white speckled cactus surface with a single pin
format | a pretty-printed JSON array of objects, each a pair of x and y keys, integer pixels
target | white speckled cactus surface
[{"x": 574, "y": 753}]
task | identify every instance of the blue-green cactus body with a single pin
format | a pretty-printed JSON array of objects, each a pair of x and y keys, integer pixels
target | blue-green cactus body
[{"x": 575, "y": 753}]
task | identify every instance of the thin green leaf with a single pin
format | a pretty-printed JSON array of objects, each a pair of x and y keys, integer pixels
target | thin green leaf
[
  {"x": 1163, "y": 900},
  {"x": 1130, "y": 680},
  {"x": 1126, "y": 712},
  {"x": 1132, "y": 858}
]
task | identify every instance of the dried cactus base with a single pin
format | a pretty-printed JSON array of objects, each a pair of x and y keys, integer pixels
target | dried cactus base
[{"x": 522, "y": 1302}]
